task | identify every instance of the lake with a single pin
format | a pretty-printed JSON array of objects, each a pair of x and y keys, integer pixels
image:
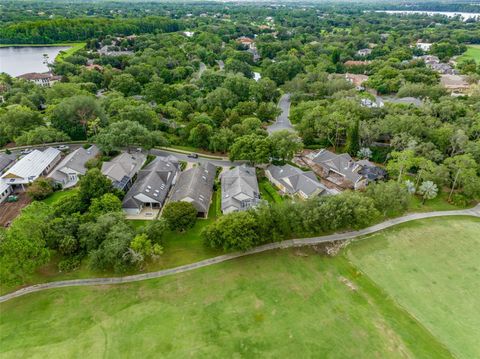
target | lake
[
  {"x": 18, "y": 60},
  {"x": 464, "y": 15}
]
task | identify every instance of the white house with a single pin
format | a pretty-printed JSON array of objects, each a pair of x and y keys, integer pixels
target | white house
[
  {"x": 5, "y": 190},
  {"x": 45, "y": 79},
  {"x": 29, "y": 168}
]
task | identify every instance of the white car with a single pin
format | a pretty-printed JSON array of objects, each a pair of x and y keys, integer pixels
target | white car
[
  {"x": 63, "y": 148},
  {"x": 26, "y": 151}
]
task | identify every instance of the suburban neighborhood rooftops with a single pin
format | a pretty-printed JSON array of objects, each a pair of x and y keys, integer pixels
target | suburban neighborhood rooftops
[
  {"x": 31, "y": 76},
  {"x": 196, "y": 186},
  {"x": 454, "y": 82},
  {"x": 239, "y": 188},
  {"x": 124, "y": 165},
  {"x": 342, "y": 164},
  {"x": 74, "y": 162},
  {"x": 32, "y": 165},
  {"x": 6, "y": 160},
  {"x": 295, "y": 180}
]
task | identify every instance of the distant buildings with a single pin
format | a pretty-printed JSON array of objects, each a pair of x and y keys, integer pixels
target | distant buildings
[
  {"x": 356, "y": 80},
  {"x": 68, "y": 171},
  {"x": 239, "y": 189},
  {"x": 152, "y": 186},
  {"x": 364, "y": 52},
  {"x": 456, "y": 84},
  {"x": 424, "y": 46},
  {"x": 122, "y": 169},
  {"x": 195, "y": 186},
  {"x": 434, "y": 63},
  {"x": 294, "y": 182},
  {"x": 29, "y": 168},
  {"x": 46, "y": 79},
  {"x": 355, "y": 63}
]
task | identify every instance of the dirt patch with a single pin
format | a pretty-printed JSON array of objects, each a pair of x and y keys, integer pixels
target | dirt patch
[
  {"x": 10, "y": 211},
  {"x": 349, "y": 284},
  {"x": 330, "y": 249},
  {"x": 300, "y": 253}
]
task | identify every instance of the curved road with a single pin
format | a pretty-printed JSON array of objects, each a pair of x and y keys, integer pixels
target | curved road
[
  {"x": 282, "y": 122},
  {"x": 475, "y": 212}
]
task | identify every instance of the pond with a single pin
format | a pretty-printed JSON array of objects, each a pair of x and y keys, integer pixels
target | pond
[{"x": 18, "y": 60}]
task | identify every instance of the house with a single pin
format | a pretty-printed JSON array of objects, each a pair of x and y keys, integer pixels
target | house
[
  {"x": 196, "y": 187},
  {"x": 6, "y": 161},
  {"x": 45, "y": 79},
  {"x": 5, "y": 191},
  {"x": 69, "y": 170},
  {"x": 122, "y": 169},
  {"x": 454, "y": 83},
  {"x": 29, "y": 168},
  {"x": 404, "y": 101},
  {"x": 356, "y": 80},
  {"x": 364, "y": 52},
  {"x": 424, "y": 46},
  {"x": 294, "y": 182},
  {"x": 239, "y": 189},
  {"x": 371, "y": 172},
  {"x": 152, "y": 186},
  {"x": 246, "y": 41},
  {"x": 341, "y": 169},
  {"x": 353, "y": 63}
]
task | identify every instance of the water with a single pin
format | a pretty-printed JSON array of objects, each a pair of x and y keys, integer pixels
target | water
[
  {"x": 464, "y": 15},
  {"x": 20, "y": 60}
]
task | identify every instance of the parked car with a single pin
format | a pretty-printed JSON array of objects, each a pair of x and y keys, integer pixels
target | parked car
[
  {"x": 26, "y": 151},
  {"x": 63, "y": 148},
  {"x": 192, "y": 155}
]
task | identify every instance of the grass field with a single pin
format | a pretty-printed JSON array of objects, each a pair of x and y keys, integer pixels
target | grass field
[
  {"x": 432, "y": 269},
  {"x": 403, "y": 293},
  {"x": 473, "y": 52}
]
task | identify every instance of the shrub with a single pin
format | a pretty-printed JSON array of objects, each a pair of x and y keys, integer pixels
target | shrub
[
  {"x": 41, "y": 188},
  {"x": 180, "y": 215}
]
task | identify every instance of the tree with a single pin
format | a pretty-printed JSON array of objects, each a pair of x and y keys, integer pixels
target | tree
[
  {"x": 200, "y": 135},
  {"x": 401, "y": 162},
  {"x": 126, "y": 134},
  {"x": 72, "y": 115},
  {"x": 93, "y": 185},
  {"x": 463, "y": 169},
  {"x": 126, "y": 84},
  {"x": 41, "y": 135},
  {"x": 428, "y": 190},
  {"x": 142, "y": 245},
  {"x": 104, "y": 204},
  {"x": 180, "y": 215},
  {"x": 15, "y": 120},
  {"x": 410, "y": 187},
  {"x": 22, "y": 248},
  {"x": 353, "y": 138},
  {"x": 285, "y": 144},
  {"x": 155, "y": 230},
  {"x": 41, "y": 188},
  {"x": 252, "y": 148},
  {"x": 364, "y": 153},
  {"x": 389, "y": 197}
]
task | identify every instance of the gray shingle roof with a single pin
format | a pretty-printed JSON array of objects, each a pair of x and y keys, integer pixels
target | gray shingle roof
[
  {"x": 6, "y": 160},
  {"x": 196, "y": 186},
  {"x": 239, "y": 188},
  {"x": 153, "y": 183},
  {"x": 342, "y": 164},
  {"x": 74, "y": 161},
  {"x": 295, "y": 180},
  {"x": 125, "y": 165}
]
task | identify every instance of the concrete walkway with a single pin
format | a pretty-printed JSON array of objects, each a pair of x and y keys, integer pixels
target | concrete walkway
[{"x": 475, "y": 212}]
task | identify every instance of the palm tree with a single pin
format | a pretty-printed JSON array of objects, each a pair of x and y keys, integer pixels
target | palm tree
[{"x": 428, "y": 190}]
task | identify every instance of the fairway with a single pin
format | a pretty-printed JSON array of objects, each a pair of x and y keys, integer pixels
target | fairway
[
  {"x": 473, "y": 52},
  {"x": 431, "y": 268}
]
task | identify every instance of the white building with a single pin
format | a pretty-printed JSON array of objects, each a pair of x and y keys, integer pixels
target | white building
[
  {"x": 29, "y": 168},
  {"x": 42, "y": 79},
  {"x": 5, "y": 190}
]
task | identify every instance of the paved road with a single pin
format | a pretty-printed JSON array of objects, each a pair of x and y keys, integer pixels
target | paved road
[
  {"x": 223, "y": 258},
  {"x": 200, "y": 159},
  {"x": 282, "y": 122}
]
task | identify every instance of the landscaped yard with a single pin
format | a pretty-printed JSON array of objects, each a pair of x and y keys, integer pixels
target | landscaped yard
[
  {"x": 56, "y": 196},
  {"x": 432, "y": 269},
  {"x": 268, "y": 192}
]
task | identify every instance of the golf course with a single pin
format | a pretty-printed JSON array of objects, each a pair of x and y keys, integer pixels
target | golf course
[{"x": 407, "y": 291}]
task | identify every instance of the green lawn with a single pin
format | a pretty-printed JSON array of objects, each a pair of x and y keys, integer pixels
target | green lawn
[
  {"x": 473, "y": 52},
  {"x": 432, "y": 269},
  {"x": 276, "y": 305},
  {"x": 268, "y": 191},
  {"x": 56, "y": 196}
]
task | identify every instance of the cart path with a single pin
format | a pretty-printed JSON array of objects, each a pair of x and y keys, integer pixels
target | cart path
[{"x": 475, "y": 212}]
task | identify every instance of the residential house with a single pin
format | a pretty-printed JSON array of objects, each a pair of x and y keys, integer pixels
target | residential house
[
  {"x": 69, "y": 170},
  {"x": 371, "y": 172},
  {"x": 122, "y": 169},
  {"x": 356, "y": 80},
  {"x": 45, "y": 79},
  {"x": 239, "y": 189},
  {"x": 5, "y": 191},
  {"x": 151, "y": 188},
  {"x": 424, "y": 46},
  {"x": 364, "y": 52},
  {"x": 195, "y": 186},
  {"x": 456, "y": 84},
  {"x": 29, "y": 168},
  {"x": 340, "y": 170},
  {"x": 353, "y": 63},
  {"x": 6, "y": 161},
  {"x": 294, "y": 182}
]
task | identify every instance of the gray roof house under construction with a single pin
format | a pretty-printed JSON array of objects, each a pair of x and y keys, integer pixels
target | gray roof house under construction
[
  {"x": 152, "y": 185},
  {"x": 195, "y": 186},
  {"x": 239, "y": 189},
  {"x": 72, "y": 166},
  {"x": 122, "y": 169},
  {"x": 294, "y": 182}
]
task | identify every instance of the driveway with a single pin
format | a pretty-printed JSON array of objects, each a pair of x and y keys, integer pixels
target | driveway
[{"x": 282, "y": 122}]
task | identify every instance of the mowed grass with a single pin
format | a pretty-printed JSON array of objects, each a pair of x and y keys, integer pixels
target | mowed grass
[
  {"x": 432, "y": 269},
  {"x": 280, "y": 304},
  {"x": 473, "y": 52}
]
